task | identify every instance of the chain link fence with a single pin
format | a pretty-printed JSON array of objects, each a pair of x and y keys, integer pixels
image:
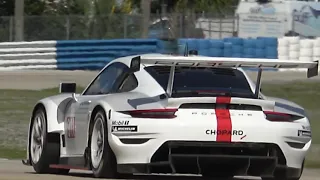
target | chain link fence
[
  {"x": 74, "y": 27},
  {"x": 119, "y": 26}
]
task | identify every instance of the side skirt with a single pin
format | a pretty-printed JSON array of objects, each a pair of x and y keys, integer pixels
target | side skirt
[{"x": 76, "y": 162}]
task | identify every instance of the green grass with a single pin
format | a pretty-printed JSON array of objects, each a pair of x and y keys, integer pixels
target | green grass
[
  {"x": 306, "y": 94},
  {"x": 17, "y": 105},
  {"x": 12, "y": 153}
]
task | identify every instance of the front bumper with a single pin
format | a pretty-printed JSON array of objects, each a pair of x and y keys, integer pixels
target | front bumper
[{"x": 182, "y": 157}]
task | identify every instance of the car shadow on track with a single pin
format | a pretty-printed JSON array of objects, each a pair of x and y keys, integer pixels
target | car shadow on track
[
  {"x": 155, "y": 177},
  {"x": 145, "y": 177}
]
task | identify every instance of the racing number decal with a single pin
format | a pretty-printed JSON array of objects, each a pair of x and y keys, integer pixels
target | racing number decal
[
  {"x": 223, "y": 120},
  {"x": 71, "y": 127}
]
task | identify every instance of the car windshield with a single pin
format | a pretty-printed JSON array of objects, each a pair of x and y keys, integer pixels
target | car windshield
[{"x": 191, "y": 81}]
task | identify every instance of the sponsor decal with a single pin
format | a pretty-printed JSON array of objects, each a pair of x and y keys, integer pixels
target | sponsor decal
[
  {"x": 124, "y": 128},
  {"x": 71, "y": 127},
  {"x": 304, "y": 133},
  {"x": 224, "y": 124},
  {"x": 120, "y": 123},
  {"x": 224, "y": 132}
]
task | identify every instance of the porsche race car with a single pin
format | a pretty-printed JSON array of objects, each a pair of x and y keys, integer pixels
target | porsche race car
[{"x": 159, "y": 113}]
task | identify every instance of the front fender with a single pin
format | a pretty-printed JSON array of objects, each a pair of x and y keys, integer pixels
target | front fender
[{"x": 55, "y": 108}]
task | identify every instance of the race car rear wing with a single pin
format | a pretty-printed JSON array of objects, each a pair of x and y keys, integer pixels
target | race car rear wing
[
  {"x": 224, "y": 62},
  {"x": 221, "y": 62}
]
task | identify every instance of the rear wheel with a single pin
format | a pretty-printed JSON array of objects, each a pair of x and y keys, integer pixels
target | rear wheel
[
  {"x": 209, "y": 174},
  {"x": 282, "y": 176},
  {"x": 103, "y": 161},
  {"x": 42, "y": 152}
]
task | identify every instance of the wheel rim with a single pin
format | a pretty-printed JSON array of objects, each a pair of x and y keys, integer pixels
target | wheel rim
[
  {"x": 97, "y": 142},
  {"x": 37, "y": 138}
]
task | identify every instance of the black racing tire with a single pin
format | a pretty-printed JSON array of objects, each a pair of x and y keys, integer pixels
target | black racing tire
[
  {"x": 50, "y": 151},
  {"x": 283, "y": 177},
  {"x": 106, "y": 167},
  {"x": 217, "y": 176}
]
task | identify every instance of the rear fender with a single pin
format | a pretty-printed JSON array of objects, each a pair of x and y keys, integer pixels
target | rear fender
[
  {"x": 100, "y": 104},
  {"x": 286, "y": 106}
]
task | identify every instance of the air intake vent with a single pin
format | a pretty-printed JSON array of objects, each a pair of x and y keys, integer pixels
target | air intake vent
[
  {"x": 164, "y": 69},
  {"x": 217, "y": 71},
  {"x": 223, "y": 71}
]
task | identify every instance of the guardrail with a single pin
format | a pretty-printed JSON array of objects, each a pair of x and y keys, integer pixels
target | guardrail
[
  {"x": 94, "y": 54},
  {"x": 77, "y": 54}
]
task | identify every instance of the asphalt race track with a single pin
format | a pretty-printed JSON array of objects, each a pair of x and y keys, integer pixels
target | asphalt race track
[
  {"x": 14, "y": 170},
  {"x": 38, "y": 79}
]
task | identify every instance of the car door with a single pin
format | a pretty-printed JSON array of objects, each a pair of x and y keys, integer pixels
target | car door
[
  {"x": 74, "y": 124},
  {"x": 77, "y": 120}
]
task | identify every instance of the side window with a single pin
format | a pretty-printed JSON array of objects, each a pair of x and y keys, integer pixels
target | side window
[
  {"x": 104, "y": 83},
  {"x": 129, "y": 84}
]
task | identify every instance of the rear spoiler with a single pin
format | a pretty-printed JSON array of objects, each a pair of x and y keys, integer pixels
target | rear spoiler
[{"x": 223, "y": 62}]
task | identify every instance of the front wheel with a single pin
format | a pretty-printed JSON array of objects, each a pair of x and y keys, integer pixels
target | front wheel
[{"x": 103, "y": 161}]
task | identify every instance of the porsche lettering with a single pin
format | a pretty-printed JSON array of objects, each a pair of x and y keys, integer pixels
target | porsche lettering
[{"x": 213, "y": 113}]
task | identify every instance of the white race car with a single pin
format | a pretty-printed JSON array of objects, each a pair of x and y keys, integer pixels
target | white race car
[{"x": 157, "y": 113}]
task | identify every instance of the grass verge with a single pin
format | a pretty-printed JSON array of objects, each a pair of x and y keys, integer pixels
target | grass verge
[
  {"x": 12, "y": 153},
  {"x": 17, "y": 105}
]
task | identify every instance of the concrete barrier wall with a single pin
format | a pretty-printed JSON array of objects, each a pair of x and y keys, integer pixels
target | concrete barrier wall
[{"x": 94, "y": 54}]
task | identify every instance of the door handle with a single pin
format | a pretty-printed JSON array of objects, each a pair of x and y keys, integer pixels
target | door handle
[{"x": 85, "y": 103}]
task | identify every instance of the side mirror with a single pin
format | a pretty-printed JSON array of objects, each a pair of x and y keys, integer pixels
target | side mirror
[
  {"x": 67, "y": 87},
  {"x": 193, "y": 52},
  {"x": 135, "y": 64}
]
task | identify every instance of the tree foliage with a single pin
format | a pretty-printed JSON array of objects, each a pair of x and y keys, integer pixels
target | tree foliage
[
  {"x": 63, "y": 7},
  {"x": 6, "y": 7},
  {"x": 50, "y": 19}
]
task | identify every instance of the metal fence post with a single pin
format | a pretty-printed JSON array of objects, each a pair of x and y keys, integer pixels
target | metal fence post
[
  {"x": 292, "y": 23},
  {"x": 11, "y": 24},
  {"x": 237, "y": 22},
  {"x": 67, "y": 27},
  {"x": 210, "y": 24},
  {"x": 181, "y": 25},
  {"x": 19, "y": 20},
  {"x": 220, "y": 27},
  {"x": 125, "y": 26}
]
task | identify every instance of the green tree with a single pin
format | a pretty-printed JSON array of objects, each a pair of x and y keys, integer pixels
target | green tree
[{"x": 6, "y": 7}]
